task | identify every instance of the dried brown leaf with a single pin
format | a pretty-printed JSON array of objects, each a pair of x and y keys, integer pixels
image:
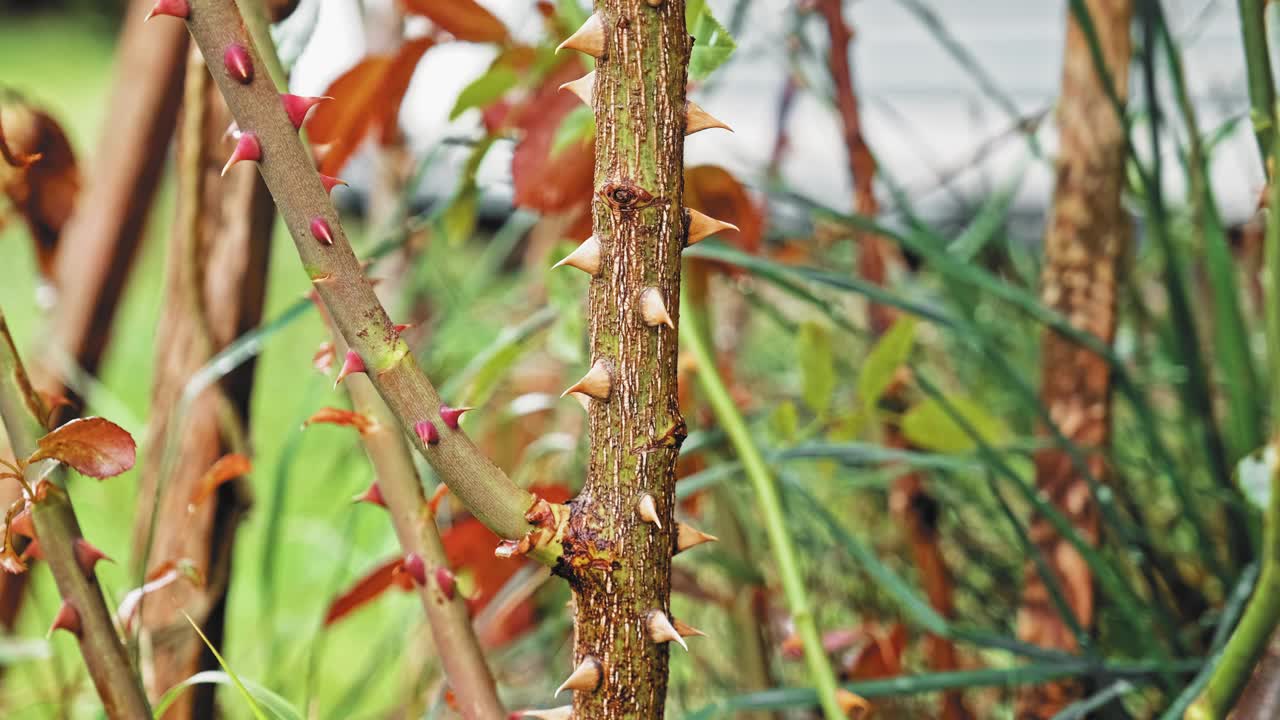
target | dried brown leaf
[{"x": 228, "y": 467}]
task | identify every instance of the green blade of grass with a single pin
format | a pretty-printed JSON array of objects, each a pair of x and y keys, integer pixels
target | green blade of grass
[
  {"x": 249, "y": 697},
  {"x": 277, "y": 706}
]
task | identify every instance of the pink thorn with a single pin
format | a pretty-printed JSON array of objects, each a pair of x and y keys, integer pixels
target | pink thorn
[
  {"x": 350, "y": 364},
  {"x": 416, "y": 568},
  {"x": 67, "y": 619},
  {"x": 373, "y": 496},
  {"x": 238, "y": 63},
  {"x": 321, "y": 231},
  {"x": 427, "y": 432},
  {"x": 451, "y": 416},
  {"x": 87, "y": 556},
  {"x": 401, "y": 327},
  {"x": 330, "y": 182},
  {"x": 247, "y": 149},
  {"x": 173, "y": 8},
  {"x": 297, "y": 107},
  {"x": 447, "y": 582}
]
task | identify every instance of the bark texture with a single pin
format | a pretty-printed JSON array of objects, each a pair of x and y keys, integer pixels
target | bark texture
[
  {"x": 619, "y": 565},
  {"x": 216, "y": 281},
  {"x": 1086, "y": 237}
]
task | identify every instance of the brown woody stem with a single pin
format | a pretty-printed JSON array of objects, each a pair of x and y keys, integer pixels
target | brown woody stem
[
  {"x": 58, "y": 530},
  {"x": 620, "y": 564},
  {"x": 334, "y": 269}
]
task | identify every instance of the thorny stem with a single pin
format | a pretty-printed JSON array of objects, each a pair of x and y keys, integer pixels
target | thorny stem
[
  {"x": 57, "y": 528},
  {"x": 1250, "y": 638},
  {"x": 766, "y": 489},
  {"x": 415, "y": 526},
  {"x": 336, "y": 273}
]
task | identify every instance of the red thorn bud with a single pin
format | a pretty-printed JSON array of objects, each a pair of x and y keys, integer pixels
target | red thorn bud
[
  {"x": 247, "y": 149},
  {"x": 447, "y": 583},
  {"x": 331, "y": 182},
  {"x": 321, "y": 231},
  {"x": 373, "y": 496},
  {"x": 173, "y": 8},
  {"x": 351, "y": 364},
  {"x": 21, "y": 524},
  {"x": 68, "y": 618},
  {"x": 416, "y": 568},
  {"x": 427, "y": 432},
  {"x": 451, "y": 416},
  {"x": 238, "y": 63},
  {"x": 297, "y": 106},
  {"x": 401, "y": 327},
  {"x": 87, "y": 555}
]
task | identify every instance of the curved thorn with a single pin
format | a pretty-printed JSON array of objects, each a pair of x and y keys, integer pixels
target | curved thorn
[
  {"x": 702, "y": 227},
  {"x": 586, "y": 257},
  {"x": 584, "y": 678},
  {"x": 648, "y": 510},
  {"x": 696, "y": 119},
  {"x": 589, "y": 39},
  {"x": 583, "y": 87},
  {"x": 661, "y": 630},
  {"x": 597, "y": 382},
  {"x": 653, "y": 311}
]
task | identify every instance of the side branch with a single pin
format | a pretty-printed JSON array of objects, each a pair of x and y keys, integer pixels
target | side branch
[
  {"x": 84, "y": 611},
  {"x": 269, "y": 138}
]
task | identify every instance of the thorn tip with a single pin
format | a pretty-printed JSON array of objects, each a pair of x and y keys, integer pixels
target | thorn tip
[
  {"x": 648, "y": 510},
  {"x": 597, "y": 383}
]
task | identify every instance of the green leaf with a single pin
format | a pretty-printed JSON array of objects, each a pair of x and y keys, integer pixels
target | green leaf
[
  {"x": 1254, "y": 473},
  {"x": 250, "y": 698},
  {"x": 928, "y": 426},
  {"x": 785, "y": 421},
  {"x": 817, "y": 366},
  {"x": 458, "y": 221},
  {"x": 577, "y": 126},
  {"x": 276, "y": 707},
  {"x": 882, "y": 363},
  {"x": 712, "y": 44},
  {"x": 485, "y": 89}
]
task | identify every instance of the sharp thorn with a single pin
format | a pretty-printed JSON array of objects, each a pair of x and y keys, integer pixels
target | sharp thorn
[
  {"x": 248, "y": 149},
  {"x": 87, "y": 556},
  {"x": 702, "y": 227},
  {"x": 447, "y": 582},
  {"x": 331, "y": 182},
  {"x": 350, "y": 364},
  {"x": 583, "y": 87},
  {"x": 584, "y": 678},
  {"x": 373, "y": 496},
  {"x": 297, "y": 107},
  {"x": 687, "y": 630},
  {"x": 589, "y": 38},
  {"x": 697, "y": 119},
  {"x": 321, "y": 231},
  {"x": 597, "y": 383},
  {"x": 180, "y": 9},
  {"x": 653, "y": 310},
  {"x": 238, "y": 63},
  {"x": 586, "y": 257},
  {"x": 452, "y": 416},
  {"x": 68, "y": 618},
  {"x": 416, "y": 568},
  {"x": 688, "y": 536},
  {"x": 648, "y": 510},
  {"x": 661, "y": 630},
  {"x": 427, "y": 432}
]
